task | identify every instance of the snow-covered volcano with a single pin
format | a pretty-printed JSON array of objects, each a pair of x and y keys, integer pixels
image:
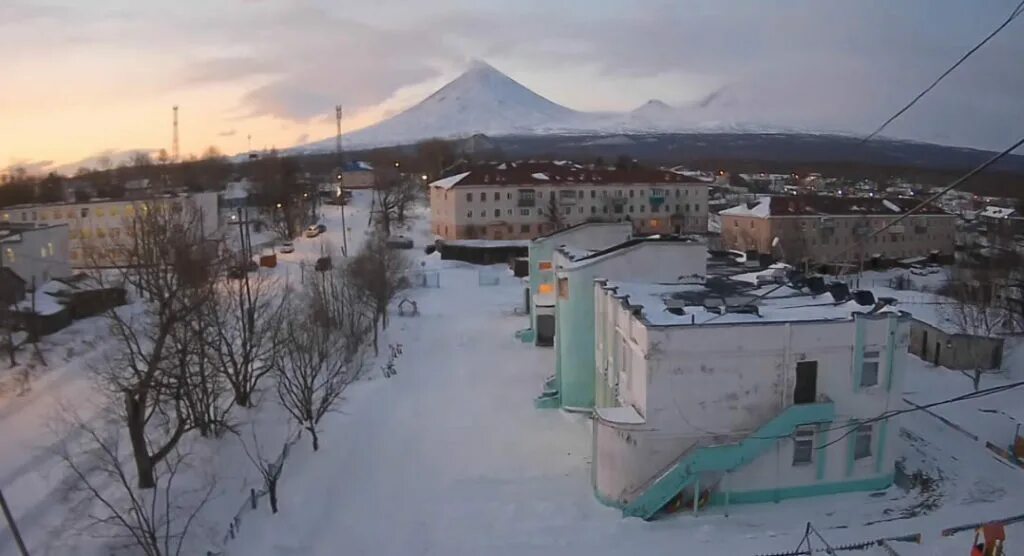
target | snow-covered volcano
[{"x": 485, "y": 100}]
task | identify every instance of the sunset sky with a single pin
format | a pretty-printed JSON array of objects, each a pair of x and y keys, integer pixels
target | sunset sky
[{"x": 82, "y": 77}]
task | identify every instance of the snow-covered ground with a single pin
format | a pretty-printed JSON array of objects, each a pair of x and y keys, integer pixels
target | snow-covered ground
[{"x": 450, "y": 456}]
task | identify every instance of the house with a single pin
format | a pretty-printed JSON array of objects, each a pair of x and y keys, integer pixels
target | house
[
  {"x": 658, "y": 260},
  {"x": 36, "y": 254},
  {"x": 106, "y": 221},
  {"x": 236, "y": 195},
  {"x": 711, "y": 394},
  {"x": 356, "y": 175},
  {"x": 523, "y": 200},
  {"x": 818, "y": 228},
  {"x": 587, "y": 236}
]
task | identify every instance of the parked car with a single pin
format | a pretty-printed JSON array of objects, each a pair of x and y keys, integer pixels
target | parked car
[
  {"x": 312, "y": 231},
  {"x": 321, "y": 227},
  {"x": 287, "y": 247}
]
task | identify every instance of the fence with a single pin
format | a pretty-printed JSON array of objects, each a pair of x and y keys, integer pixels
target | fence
[{"x": 424, "y": 279}]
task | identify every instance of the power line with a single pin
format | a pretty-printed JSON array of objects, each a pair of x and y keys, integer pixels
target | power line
[
  {"x": 861, "y": 242},
  {"x": 1013, "y": 15}
]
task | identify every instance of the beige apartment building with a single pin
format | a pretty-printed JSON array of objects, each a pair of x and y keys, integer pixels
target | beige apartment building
[
  {"x": 515, "y": 200},
  {"x": 822, "y": 228},
  {"x": 104, "y": 220}
]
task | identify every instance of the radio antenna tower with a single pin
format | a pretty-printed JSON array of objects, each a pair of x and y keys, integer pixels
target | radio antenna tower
[
  {"x": 341, "y": 184},
  {"x": 175, "y": 148}
]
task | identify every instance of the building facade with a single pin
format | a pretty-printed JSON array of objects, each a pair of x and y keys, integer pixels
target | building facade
[
  {"x": 701, "y": 405},
  {"x": 819, "y": 228},
  {"x": 36, "y": 254},
  {"x": 588, "y": 236},
  {"x": 660, "y": 260},
  {"x": 107, "y": 221},
  {"x": 523, "y": 200}
]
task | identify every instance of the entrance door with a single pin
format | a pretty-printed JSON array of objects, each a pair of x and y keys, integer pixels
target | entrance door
[
  {"x": 938, "y": 352},
  {"x": 806, "y": 389}
]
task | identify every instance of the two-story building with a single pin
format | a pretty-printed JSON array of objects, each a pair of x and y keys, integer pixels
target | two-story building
[
  {"x": 816, "y": 228},
  {"x": 522, "y": 200},
  {"x": 35, "y": 254},
  {"x": 587, "y": 236},
  {"x": 656, "y": 260},
  {"x": 100, "y": 222},
  {"x": 708, "y": 394}
]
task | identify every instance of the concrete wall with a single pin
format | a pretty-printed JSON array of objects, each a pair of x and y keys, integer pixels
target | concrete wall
[
  {"x": 713, "y": 384},
  {"x": 37, "y": 255},
  {"x": 653, "y": 261},
  {"x": 954, "y": 351},
  {"x": 490, "y": 211}
]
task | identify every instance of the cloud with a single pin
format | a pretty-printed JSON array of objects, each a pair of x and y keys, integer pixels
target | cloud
[{"x": 228, "y": 133}]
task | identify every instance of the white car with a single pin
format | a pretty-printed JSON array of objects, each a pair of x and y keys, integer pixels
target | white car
[
  {"x": 287, "y": 247},
  {"x": 312, "y": 231}
]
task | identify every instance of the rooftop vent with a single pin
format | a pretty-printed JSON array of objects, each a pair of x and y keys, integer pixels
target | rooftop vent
[
  {"x": 864, "y": 298},
  {"x": 840, "y": 291}
]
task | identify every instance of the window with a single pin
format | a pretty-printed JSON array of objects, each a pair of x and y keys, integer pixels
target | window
[
  {"x": 593, "y": 193},
  {"x": 593, "y": 209},
  {"x": 643, "y": 208},
  {"x": 869, "y": 369},
  {"x": 735, "y": 223},
  {"x": 630, "y": 208},
  {"x": 10, "y": 255},
  {"x": 677, "y": 209},
  {"x": 544, "y": 265},
  {"x": 677, "y": 195},
  {"x": 525, "y": 228},
  {"x": 604, "y": 210},
  {"x": 524, "y": 212},
  {"x": 566, "y": 210},
  {"x": 862, "y": 442},
  {"x": 49, "y": 248},
  {"x": 497, "y": 213},
  {"x": 469, "y": 197},
  {"x": 42, "y": 252},
  {"x": 655, "y": 208},
  {"x": 696, "y": 207},
  {"x": 469, "y": 214},
  {"x": 84, "y": 212},
  {"x": 497, "y": 196},
  {"x": 563, "y": 288},
  {"x": 631, "y": 192},
  {"x": 100, "y": 211},
  {"x": 803, "y": 446},
  {"x": 686, "y": 207}
]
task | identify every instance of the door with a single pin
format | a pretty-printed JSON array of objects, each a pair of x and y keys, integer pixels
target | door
[
  {"x": 924, "y": 346},
  {"x": 806, "y": 389},
  {"x": 938, "y": 352}
]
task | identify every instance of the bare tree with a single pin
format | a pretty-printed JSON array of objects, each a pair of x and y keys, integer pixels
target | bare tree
[
  {"x": 322, "y": 353},
  {"x": 974, "y": 312},
  {"x": 270, "y": 470},
  {"x": 380, "y": 274},
  {"x": 392, "y": 195},
  {"x": 167, "y": 262},
  {"x": 242, "y": 332},
  {"x": 206, "y": 397},
  {"x": 8, "y": 325},
  {"x": 155, "y": 522},
  {"x": 553, "y": 212}
]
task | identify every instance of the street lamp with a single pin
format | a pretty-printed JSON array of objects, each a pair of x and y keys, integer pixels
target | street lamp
[
  {"x": 424, "y": 177},
  {"x": 279, "y": 205},
  {"x": 397, "y": 164}
]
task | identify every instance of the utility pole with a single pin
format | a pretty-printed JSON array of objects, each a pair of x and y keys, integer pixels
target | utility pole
[
  {"x": 12, "y": 525},
  {"x": 341, "y": 183},
  {"x": 175, "y": 147}
]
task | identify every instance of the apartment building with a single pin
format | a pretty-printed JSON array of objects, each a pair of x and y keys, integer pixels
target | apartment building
[
  {"x": 107, "y": 220},
  {"x": 35, "y": 254},
  {"x": 817, "y": 228},
  {"x": 657, "y": 260},
  {"x": 515, "y": 200},
  {"x": 706, "y": 397}
]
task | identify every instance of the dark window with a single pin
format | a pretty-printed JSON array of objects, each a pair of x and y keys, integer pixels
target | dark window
[
  {"x": 630, "y": 208},
  {"x": 593, "y": 193},
  {"x": 525, "y": 228},
  {"x": 497, "y": 213},
  {"x": 869, "y": 369},
  {"x": 497, "y": 196},
  {"x": 862, "y": 442},
  {"x": 469, "y": 197},
  {"x": 631, "y": 192},
  {"x": 806, "y": 389},
  {"x": 593, "y": 209},
  {"x": 803, "y": 446}
]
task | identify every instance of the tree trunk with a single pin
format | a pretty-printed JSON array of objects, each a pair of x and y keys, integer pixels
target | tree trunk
[
  {"x": 243, "y": 398},
  {"x": 316, "y": 438},
  {"x": 272, "y": 489},
  {"x": 375, "y": 350},
  {"x": 135, "y": 411},
  {"x": 977, "y": 379}
]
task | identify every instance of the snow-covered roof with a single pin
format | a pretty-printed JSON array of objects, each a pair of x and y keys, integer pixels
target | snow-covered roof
[
  {"x": 540, "y": 176},
  {"x": 759, "y": 209},
  {"x": 825, "y": 205},
  {"x": 997, "y": 212},
  {"x": 583, "y": 257},
  {"x": 450, "y": 181}
]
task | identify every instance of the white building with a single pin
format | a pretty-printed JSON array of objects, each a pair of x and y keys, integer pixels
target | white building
[
  {"x": 701, "y": 391},
  {"x": 37, "y": 255},
  {"x": 107, "y": 220}
]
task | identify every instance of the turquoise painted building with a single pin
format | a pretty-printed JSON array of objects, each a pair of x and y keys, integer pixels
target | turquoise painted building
[
  {"x": 706, "y": 398},
  {"x": 585, "y": 237},
  {"x": 670, "y": 260}
]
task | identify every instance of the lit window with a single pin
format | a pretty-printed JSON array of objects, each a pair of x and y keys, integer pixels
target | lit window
[
  {"x": 862, "y": 442},
  {"x": 10, "y": 255},
  {"x": 654, "y": 223},
  {"x": 100, "y": 211},
  {"x": 42, "y": 252},
  {"x": 544, "y": 265},
  {"x": 49, "y": 248},
  {"x": 803, "y": 446}
]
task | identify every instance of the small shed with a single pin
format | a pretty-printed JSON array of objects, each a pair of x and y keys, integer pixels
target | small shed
[{"x": 954, "y": 350}]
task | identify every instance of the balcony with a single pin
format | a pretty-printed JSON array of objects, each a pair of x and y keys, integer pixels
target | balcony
[{"x": 525, "y": 202}]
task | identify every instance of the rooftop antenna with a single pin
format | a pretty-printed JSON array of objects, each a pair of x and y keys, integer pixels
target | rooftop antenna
[{"x": 175, "y": 149}]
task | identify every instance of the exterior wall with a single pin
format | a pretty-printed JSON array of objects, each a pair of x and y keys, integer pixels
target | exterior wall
[
  {"x": 708, "y": 385},
  {"x": 106, "y": 220},
  {"x": 497, "y": 212},
  {"x": 37, "y": 255},
  {"x": 574, "y": 307},
  {"x": 357, "y": 179},
  {"x": 590, "y": 236},
  {"x": 821, "y": 238},
  {"x": 954, "y": 351}
]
